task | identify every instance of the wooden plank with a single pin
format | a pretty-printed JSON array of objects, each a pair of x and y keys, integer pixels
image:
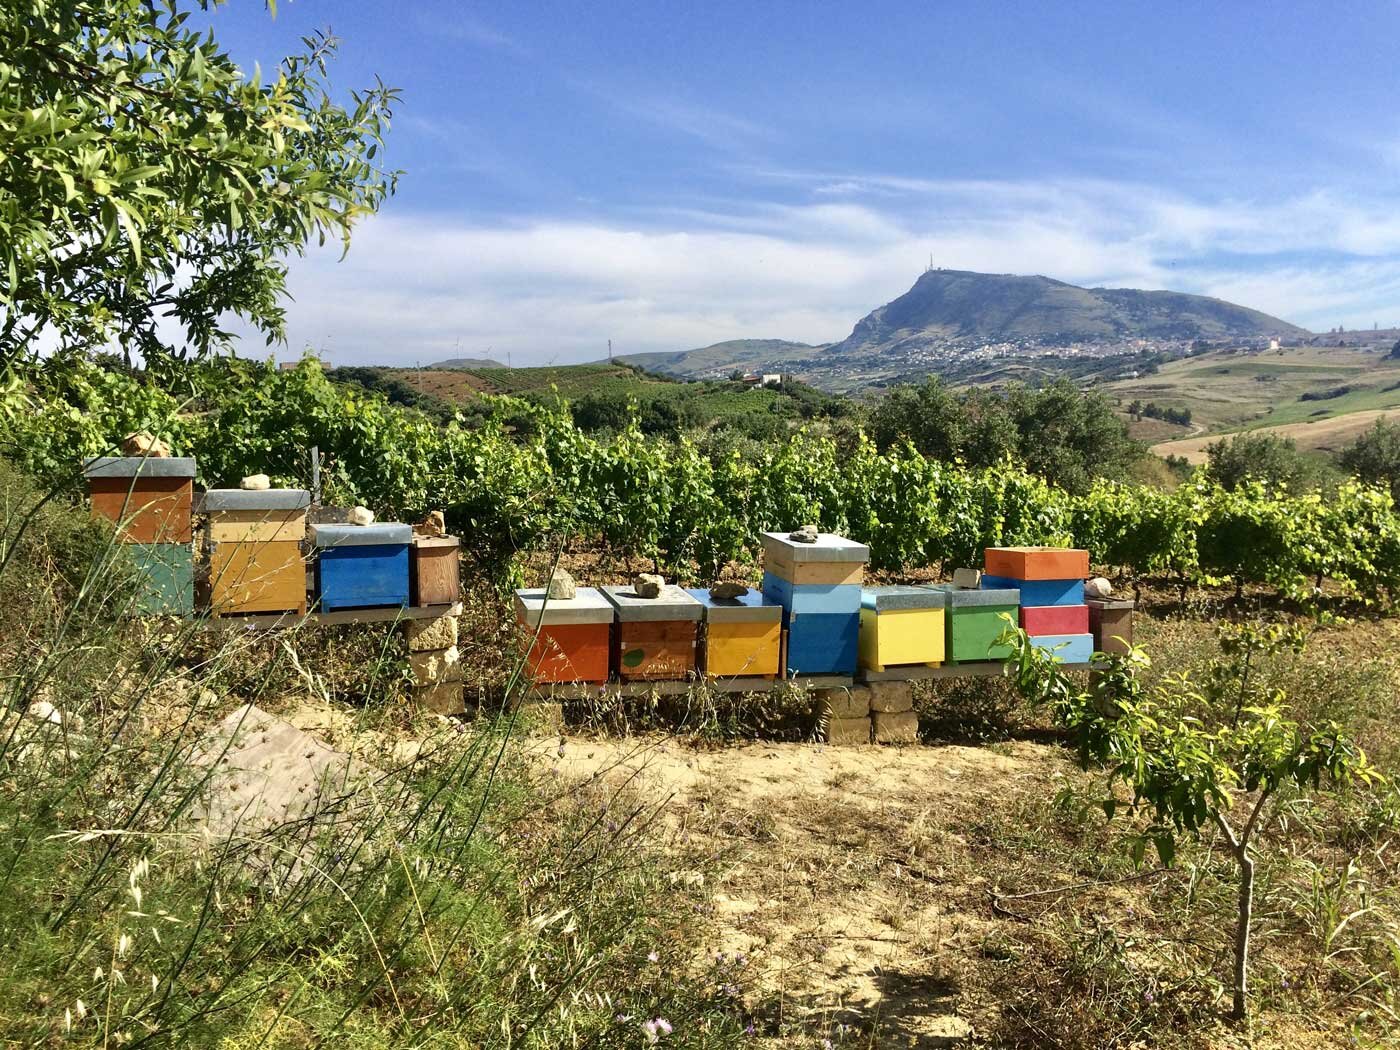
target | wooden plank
[{"x": 343, "y": 616}]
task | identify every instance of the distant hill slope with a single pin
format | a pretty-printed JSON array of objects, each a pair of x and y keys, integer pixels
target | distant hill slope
[
  {"x": 718, "y": 360},
  {"x": 467, "y": 362},
  {"x": 946, "y": 305}
]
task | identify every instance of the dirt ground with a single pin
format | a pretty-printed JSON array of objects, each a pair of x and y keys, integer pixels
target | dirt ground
[{"x": 843, "y": 885}]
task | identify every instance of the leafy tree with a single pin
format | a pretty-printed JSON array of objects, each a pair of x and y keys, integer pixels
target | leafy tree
[
  {"x": 147, "y": 182},
  {"x": 1195, "y": 756},
  {"x": 929, "y": 416},
  {"x": 1375, "y": 457},
  {"x": 1267, "y": 458}
]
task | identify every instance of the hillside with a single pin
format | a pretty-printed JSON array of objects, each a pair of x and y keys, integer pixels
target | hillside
[
  {"x": 992, "y": 328},
  {"x": 947, "y": 305},
  {"x": 720, "y": 359},
  {"x": 467, "y": 362}
]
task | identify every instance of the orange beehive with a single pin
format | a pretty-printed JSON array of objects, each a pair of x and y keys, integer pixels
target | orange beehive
[
  {"x": 656, "y": 637},
  {"x": 1037, "y": 563},
  {"x": 567, "y": 640},
  {"x": 149, "y": 498}
]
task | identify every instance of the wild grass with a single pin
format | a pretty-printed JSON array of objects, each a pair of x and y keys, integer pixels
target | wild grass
[{"x": 462, "y": 895}]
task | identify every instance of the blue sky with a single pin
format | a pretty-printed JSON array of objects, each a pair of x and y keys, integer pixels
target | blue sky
[{"x": 671, "y": 175}]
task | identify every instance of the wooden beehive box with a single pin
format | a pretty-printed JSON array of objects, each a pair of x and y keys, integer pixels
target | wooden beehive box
[
  {"x": 1037, "y": 563},
  {"x": 655, "y": 638},
  {"x": 255, "y": 553},
  {"x": 1111, "y": 624},
  {"x": 975, "y": 619},
  {"x": 819, "y": 587},
  {"x": 567, "y": 640},
  {"x": 361, "y": 566},
  {"x": 150, "y": 499},
  {"x": 900, "y": 626},
  {"x": 743, "y": 636},
  {"x": 433, "y": 569}
]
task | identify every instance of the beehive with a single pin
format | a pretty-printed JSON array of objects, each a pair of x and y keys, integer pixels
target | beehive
[
  {"x": 568, "y": 640},
  {"x": 148, "y": 498},
  {"x": 433, "y": 569},
  {"x": 1111, "y": 624},
  {"x": 819, "y": 587},
  {"x": 743, "y": 636},
  {"x": 361, "y": 566},
  {"x": 900, "y": 626},
  {"x": 655, "y": 638},
  {"x": 255, "y": 558},
  {"x": 1051, "y": 582},
  {"x": 976, "y": 619}
]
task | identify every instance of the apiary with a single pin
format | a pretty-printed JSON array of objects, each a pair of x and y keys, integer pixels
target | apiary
[
  {"x": 655, "y": 638},
  {"x": 975, "y": 619},
  {"x": 900, "y": 626},
  {"x": 361, "y": 566},
  {"x": 255, "y": 554},
  {"x": 433, "y": 568},
  {"x": 568, "y": 638},
  {"x": 818, "y": 586},
  {"x": 743, "y": 635}
]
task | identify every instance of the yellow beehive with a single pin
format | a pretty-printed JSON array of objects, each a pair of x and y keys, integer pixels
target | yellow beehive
[
  {"x": 255, "y": 557},
  {"x": 743, "y": 636},
  {"x": 900, "y": 626}
]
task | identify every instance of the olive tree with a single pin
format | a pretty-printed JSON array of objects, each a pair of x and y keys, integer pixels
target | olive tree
[
  {"x": 1195, "y": 757},
  {"x": 149, "y": 186}
]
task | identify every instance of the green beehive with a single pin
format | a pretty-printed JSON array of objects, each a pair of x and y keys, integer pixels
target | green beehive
[
  {"x": 165, "y": 572},
  {"x": 975, "y": 620}
]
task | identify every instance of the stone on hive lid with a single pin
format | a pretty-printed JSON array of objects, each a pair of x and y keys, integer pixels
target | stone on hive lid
[
  {"x": 534, "y": 606},
  {"x": 142, "y": 443},
  {"x": 432, "y": 525},
  {"x": 749, "y": 607},
  {"x": 256, "y": 483},
  {"x": 967, "y": 579},
  {"x": 804, "y": 534},
  {"x": 728, "y": 589},
  {"x": 647, "y": 585},
  {"x": 561, "y": 586},
  {"x": 1098, "y": 587},
  {"x": 828, "y": 548},
  {"x": 361, "y": 516}
]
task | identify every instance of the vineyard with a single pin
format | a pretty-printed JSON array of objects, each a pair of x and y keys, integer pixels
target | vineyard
[{"x": 537, "y": 482}]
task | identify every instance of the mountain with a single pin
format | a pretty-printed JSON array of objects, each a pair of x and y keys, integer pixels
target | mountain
[
  {"x": 467, "y": 362},
  {"x": 984, "y": 327},
  {"x": 718, "y": 360},
  {"x": 961, "y": 306}
]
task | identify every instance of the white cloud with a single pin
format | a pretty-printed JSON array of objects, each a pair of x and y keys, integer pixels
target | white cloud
[{"x": 425, "y": 287}]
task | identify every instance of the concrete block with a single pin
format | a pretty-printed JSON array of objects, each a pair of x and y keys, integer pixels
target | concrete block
[
  {"x": 845, "y": 702},
  {"x": 436, "y": 665},
  {"x": 848, "y": 731},
  {"x": 891, "y": 697},
  {"x": 424, "y": 635},
  {"x": 896, "y": 727},
  {"x": 443, "y": 698}
]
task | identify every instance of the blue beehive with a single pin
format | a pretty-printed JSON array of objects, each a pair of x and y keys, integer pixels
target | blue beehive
[
  {"x": 1068, "y": 648},
  {"x": 360, "y": 566},
  {"x": 819, "y": 587},
  {"x": 1039, "y": 592}
]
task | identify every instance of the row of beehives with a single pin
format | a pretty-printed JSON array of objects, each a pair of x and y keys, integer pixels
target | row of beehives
[
  {"x": 257, "y": 547},
  {"x": 814, "y": 617}
]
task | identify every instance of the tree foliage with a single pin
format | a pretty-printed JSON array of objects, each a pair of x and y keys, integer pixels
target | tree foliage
[{"x": 149, "y": 186}]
